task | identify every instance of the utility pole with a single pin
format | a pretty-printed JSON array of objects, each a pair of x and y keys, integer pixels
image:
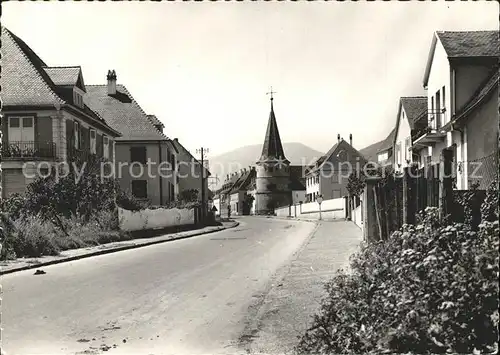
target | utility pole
[{"x": 202, "y": 152}]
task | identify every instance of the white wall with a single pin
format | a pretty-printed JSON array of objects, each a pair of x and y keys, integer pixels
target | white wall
[
  {"x": 404, "y": 132},
  {"x": 154, "y": 219},
  {"x": 356, "y": 216},
  {"x": 333, "y": 204}
]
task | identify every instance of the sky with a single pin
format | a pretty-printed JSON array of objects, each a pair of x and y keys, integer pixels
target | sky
[{"x": 204, "y": 68}]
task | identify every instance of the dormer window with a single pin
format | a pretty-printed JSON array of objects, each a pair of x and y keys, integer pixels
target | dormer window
[{"x": 77, "y": 98}]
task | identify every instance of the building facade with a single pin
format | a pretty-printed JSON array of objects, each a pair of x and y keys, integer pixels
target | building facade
[
  {"x": 146, "y": 161},
  {"x": 45, "y": 121}
]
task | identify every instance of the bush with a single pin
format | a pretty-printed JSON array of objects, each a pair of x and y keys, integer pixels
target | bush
[
  {"x": 34, "y": 237},
  {"x": 430, "y": 288}
]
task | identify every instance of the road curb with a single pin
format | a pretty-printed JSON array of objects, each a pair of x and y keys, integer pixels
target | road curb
[{"x": 111, "y": 250}]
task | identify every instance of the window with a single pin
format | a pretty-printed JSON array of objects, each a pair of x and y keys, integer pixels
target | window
[
  {"x": 432, "y": 112},
  {"x": 140, "y": 188},
  {"x": 105, "y": 145},
  {"x": 398, "y": 153},
  {"x": 77, "y": 99},
  {"x": 21, "y": 129},
  {"x": 93, "y": 149},
  {"x": 138, "y": 154},
  {"x": 77, "y": 134}
]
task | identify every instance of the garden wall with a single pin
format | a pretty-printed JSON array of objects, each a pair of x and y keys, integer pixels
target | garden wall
[{"x": 155, "y": 218}]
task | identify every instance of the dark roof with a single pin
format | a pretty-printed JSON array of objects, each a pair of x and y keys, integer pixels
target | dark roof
[
  {"x": 155, "y": 121},
  {"x": 23, "y": 80},
  {"x": 243, "y": 180},
  {"x": 122, "y": 113},
  {"x": 297, "y": 170},
  {"x": 272, "y": 148},
  {"x": 483, "y": 92},
  {"x": 63, "y": 75},
  {"x": 370, "y": 152},
  {"x": 415, "y": 107},
  {"x": 470, "y": 43},
  {"x": 332, "y": 150}
]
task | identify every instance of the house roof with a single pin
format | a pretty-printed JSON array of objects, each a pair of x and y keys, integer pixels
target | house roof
[
  {"x": 297, "y": 184},
  {"x": 414, "y": 107},
  {"x": 178, "y": 146},
  {"x": 321, "y": 161},
  {"x": 470, "y": 43},
  {"x": 64, "y": 75},
  {"x": 480, "y": 95},
  {"x": 155, "y": 121},
  {"x": 122, "y": 113},
  {"x": 464, "y": 44},
  {"x": 26, "y": 82},
  {"x": 23, "y": 80},
  {"x": 272, "y": 148},
  {"x": 243, "y": 180}
]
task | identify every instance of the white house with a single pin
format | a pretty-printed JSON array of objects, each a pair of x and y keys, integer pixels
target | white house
[{"x": 459, "y": 65}]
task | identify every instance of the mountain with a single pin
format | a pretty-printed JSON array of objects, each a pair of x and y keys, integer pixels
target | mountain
[{"x": 244, "y": 157}]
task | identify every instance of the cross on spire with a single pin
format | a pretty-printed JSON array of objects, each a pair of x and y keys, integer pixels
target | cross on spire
[{"x": 271, "y": 93}]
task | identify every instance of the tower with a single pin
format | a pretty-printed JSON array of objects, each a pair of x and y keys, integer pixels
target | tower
[{"x": 273, "y": 171}]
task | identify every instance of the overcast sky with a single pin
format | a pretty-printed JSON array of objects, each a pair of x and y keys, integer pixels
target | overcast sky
[{"x": 203, "y": 68}]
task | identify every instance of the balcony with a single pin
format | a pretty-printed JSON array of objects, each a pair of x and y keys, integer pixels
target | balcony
[
  {"x": 428, "y": 130},
  {"x": 28, "y": 150}
]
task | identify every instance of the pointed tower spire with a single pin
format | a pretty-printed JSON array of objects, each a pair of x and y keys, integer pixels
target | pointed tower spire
[{"x": 272, "y": 148}]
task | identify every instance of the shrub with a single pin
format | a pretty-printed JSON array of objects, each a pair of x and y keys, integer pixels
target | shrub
[
  {"x": 34, "y": 237},
  {"x": 430, "y": 288}
]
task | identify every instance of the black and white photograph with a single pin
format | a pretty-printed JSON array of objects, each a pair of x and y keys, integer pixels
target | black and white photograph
[{"x": 249, "y": 177}]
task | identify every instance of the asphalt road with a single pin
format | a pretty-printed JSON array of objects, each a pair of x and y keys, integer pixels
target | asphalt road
[{"x": 190, "y": 296}]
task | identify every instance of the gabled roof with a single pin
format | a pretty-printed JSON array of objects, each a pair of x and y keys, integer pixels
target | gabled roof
[
  {"x": 488, "y": 86},
  {"x": 272, "y": 148},
  {"x": 464, "y": 44},
  {"x": 296, "y": 184},
  {"x": 64, "y": 76},
  {"x": 122, "y": 113},
  {"x": 415, "y": 107},
  {"x": 23, "y": 80},
  {"x": 336, "y": 147},
  {"x": 155, "y": 121},
  {"x": 470, "y": 43},
  {"x": 243, "y": 181}
]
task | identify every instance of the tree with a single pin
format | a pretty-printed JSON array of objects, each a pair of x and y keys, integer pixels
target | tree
[{"x": 190, "y": 195}]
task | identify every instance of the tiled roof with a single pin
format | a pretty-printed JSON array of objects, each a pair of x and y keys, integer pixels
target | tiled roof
[
  {"x": 272, "y": 148},
  {"x": 297, "y": 184},
  {"x": 63, "y": 75},
  {"x": 155, "y": 121},
  {"x": 23, "y": 80},
  {"x": 484, "y": 90},
  {"x": 122, "y": 113},
  {"x": 470, "y": 43},
  {"x": 243, "y": 180},
  {"x": 415, "y": 107}
]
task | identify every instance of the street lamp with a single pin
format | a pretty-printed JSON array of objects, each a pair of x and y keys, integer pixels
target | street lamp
[{"x": 319, "y": 199}]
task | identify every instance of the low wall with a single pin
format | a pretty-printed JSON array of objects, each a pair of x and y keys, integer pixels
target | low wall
[
  {"x": 326, "y": 205},
  {"x": 155, "y": 218},
  {"x": 330, "y": 209}
]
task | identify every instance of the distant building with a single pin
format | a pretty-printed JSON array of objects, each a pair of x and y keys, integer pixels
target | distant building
[{"x": 330, "y": 173}]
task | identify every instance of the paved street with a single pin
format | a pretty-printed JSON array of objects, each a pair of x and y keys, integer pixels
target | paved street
[
  {"x": 286, "y": 311},
  {"x": 190, "y": 296}
]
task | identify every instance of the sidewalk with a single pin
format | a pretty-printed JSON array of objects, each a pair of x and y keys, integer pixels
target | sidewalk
[
  {"x": 287, "y": 309},
  {"x": 9, "y": 266}
]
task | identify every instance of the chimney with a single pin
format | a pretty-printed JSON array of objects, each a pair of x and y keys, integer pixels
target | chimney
[
  {"x": 350, "y": 139},
  {"x": 338, "y": 137},
  {"x": 111, "y": 82}
]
